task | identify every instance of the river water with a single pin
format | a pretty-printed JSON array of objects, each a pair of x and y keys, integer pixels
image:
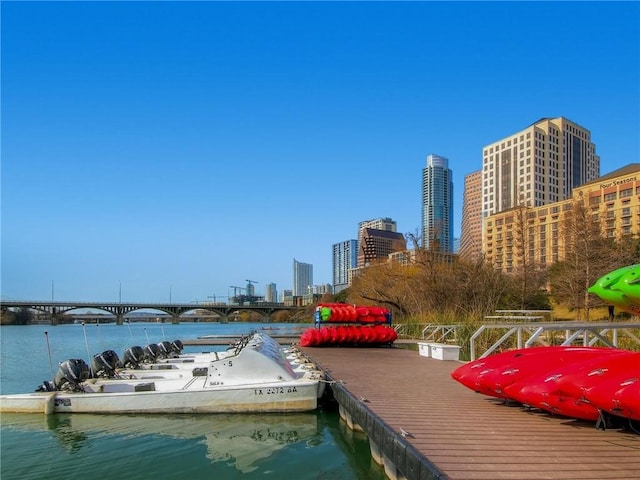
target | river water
[{"x": 315, "y": 445}]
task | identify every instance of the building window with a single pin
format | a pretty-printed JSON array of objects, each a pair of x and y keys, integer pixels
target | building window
[{"x": 627, "y": 192}]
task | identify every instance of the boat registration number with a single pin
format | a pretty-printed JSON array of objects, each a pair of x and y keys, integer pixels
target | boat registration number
[{"x": 274, "y": 390}]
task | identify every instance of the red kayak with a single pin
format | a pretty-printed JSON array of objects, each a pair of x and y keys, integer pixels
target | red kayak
[
  {"x": 491, "y": 375},
  {"x": 560, "y": 390},
  {"x": 620, "y": 395}
]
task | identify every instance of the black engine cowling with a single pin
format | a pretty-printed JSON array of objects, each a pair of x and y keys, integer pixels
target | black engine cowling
[
  {"x": 177, "y": 346},
  {"x": 71, "y": 373},
  {"x": 165, "y": 349},
  {"x": 133, "y": 357},
  {"x": 104, "y": 364},
  {"x": 151, "y": 352}
]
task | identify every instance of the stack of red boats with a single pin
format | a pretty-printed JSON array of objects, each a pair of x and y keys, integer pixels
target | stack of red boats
[
  {"x": 367, "y": 326},
  {"x": 348, "y": 335},
  {"x": 342, "y": 312},
  {"x": 575, "y": 382}
]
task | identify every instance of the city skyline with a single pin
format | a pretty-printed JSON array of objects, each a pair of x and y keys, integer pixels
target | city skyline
[{"x": 160, "y": 149}]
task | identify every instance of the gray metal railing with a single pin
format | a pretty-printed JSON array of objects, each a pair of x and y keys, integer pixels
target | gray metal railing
[{"x": 590, "y": 333}]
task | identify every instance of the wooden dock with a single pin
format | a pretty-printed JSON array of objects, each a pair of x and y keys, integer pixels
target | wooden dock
[{"x": 424, "y": 425}]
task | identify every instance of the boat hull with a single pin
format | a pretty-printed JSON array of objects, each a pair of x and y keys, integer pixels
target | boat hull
[{"x": 277, "y": 397}]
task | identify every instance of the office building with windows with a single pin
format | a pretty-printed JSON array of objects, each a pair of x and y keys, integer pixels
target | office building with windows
[
  {"x": 386, "y": 224},
  {"x": 375, "y": 245},
  {"x": 344, "y": 258},
  {"x": 471, "y": 234},
  {"x": 270, "y": 293},
  {"x": 539, "y": 165},
  {"x": 537, "y": 233},
  {"x": 437, "y": 205}
]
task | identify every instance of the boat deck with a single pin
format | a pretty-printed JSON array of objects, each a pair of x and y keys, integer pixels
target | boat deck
[
  {"x": 231, "y": 339},
  {"x": 430, "y": 426}
]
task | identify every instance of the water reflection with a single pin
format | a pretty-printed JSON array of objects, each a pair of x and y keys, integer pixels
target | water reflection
[{"x": 239, "y": 440}]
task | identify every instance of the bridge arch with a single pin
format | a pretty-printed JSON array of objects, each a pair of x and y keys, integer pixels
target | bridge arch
[{"x": 120, "y": 310}]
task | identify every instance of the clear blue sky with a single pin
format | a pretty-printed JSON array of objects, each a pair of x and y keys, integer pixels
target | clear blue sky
[{"x": 156, "y": 149}]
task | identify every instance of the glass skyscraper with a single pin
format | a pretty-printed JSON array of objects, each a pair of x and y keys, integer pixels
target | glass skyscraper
[
  {"x": 437, "y": 205},
  {"x": 302, "y": 278},
  {"x": 345, "y": 258}
]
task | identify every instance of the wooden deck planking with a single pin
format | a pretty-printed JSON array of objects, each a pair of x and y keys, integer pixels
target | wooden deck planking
[{"x": 471, "y": 436}]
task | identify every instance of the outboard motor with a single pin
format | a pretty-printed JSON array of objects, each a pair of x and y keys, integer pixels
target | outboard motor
[
  {"x": 104, "y": 364},
  {"x": 133, "y": 357},
  {"x": 71, "y": 373},
  {"x": 151, "y": 352},
  {"x": 165, "y": 349},
  {"x": 177, "y": 346}
]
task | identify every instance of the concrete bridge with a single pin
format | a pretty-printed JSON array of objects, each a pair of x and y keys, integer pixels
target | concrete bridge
[{"x": 119, "y": 309}]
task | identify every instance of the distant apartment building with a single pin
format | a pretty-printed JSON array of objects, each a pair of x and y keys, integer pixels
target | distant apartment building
[
  {"x": 302, "y": 278},
  {"x": 539, "y": 165},
  {"x": 374, "y": 244},
  {"x": 437, "y": 205},
  {"x": 344, "y": 258},
  {"x": 612, "y": 200},
  {"x": 471, "y": 234},
  {"x": 270, "y": 293}
]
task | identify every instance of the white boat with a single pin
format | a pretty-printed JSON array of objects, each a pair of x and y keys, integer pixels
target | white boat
[{"x": 255, "y": 376}]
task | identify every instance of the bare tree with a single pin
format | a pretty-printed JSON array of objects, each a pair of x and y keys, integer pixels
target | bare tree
[{"x": 586, "y": 254}]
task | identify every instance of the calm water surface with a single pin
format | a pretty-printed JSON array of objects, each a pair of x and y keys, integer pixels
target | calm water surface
[{"x": 314, "y": 445}]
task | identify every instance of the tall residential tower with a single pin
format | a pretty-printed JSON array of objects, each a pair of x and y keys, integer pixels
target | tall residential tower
[
  {"x": 302, "y": 278},
  {"x": 471, "y": 238},
  {"x": 437, "y": 205},
  {"x": 539, "y": 165}
]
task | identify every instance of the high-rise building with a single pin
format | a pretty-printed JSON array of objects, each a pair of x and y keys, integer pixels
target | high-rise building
[
  {"x": 286, "y": 297},
  {"x": 374, "y": 244},
  {"x": 344, "y": 258},
  {"x": 270, "y": 293},
  {"x": 437, "y": 205},
  {"x": 537, "y": 233},
  {"x": 539, "y": 165},
  {"x": 379, "y": 224},
  {"x": 302, "y": 278},
  {"x": 471, "y": 237}
]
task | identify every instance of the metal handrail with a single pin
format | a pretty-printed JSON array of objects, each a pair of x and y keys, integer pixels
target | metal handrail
[{"x": 573, "y": 331}]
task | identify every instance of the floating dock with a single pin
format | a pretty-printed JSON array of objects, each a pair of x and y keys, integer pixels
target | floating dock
[{"x": 424, "y": 425}]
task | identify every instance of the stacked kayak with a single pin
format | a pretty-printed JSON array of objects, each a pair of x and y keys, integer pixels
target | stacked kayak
[
  {"x": 342, "y": 312},
  {"x": 574, "y": 382},
  {"x": 348, "y": 335},
  {"x": 340, "y": 324}
]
